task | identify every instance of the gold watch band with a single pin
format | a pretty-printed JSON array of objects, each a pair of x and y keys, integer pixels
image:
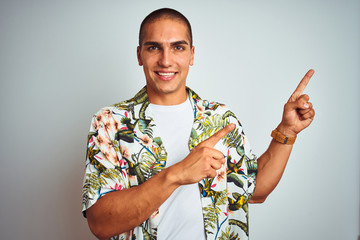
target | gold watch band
[{"x": 281, "y": 138}]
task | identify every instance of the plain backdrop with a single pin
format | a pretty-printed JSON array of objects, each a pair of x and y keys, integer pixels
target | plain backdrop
[{"x": 60, "y": 61}]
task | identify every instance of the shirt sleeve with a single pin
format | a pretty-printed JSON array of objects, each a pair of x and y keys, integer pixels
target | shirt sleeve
[{"x": 105, "y": 169}]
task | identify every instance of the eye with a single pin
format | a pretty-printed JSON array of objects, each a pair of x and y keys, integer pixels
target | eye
[
  {"x": 152, "y": 48},
  {"x": 179, "y": 47}
]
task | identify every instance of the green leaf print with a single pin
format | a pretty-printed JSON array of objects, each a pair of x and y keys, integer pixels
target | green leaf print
[
  {"x": 142, "y": 109},
  {"x": 145, "y": 127},
  {"x": 227, "y": 235},
  {"x": 234, "y": 140},
  {"x": 212, "y": 211},
  {"x": 125, "y": 135},
  {"x": 92, "y": 184},
  {"x": 158, "y": 141},
  {"x": 234, "y": 178},
  {"x": 228, "y": 114},
  {"x": 240, "y": 224},
  {"x": 152, "y": 163},
  {"x": 251, "y": 167},
  {"x": 210, "y": 125}
]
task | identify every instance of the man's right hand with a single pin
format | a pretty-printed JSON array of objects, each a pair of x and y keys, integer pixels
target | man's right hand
[{"x": 203, "y": 160}]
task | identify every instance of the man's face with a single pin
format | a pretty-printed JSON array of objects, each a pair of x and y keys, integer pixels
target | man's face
[{"x": 166, "y": 55}]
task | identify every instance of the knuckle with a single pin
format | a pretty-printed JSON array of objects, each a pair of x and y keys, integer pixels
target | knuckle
[
  {"x": 217, "y": 165},
  {"x": 204, "y": 150},
  {"x": 301, "y": 100},
  {"x": 207, "y": 159},
  {"x": 208, "y": 170},
  {"x": 287, "y": 106},
  {"x": 306, "y": 97}
]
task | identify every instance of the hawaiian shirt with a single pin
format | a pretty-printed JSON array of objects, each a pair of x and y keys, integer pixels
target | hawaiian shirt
[{"x": 125, "y": 150}]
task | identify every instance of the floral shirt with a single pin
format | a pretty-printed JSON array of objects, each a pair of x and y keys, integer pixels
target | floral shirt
[{"x": 125, "y": 150}]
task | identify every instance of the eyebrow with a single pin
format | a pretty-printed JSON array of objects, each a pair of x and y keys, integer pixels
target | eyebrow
[
  {"x": 151, "y": 43},
  {"x": 172, "y": 44},
  {"x": 179, "y": 42}
]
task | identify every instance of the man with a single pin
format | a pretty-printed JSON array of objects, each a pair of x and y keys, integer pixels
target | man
[{"x": 168, "y": 165}]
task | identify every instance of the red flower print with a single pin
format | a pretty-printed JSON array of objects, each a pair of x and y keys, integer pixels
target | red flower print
[{"x": 117, "y": 187}]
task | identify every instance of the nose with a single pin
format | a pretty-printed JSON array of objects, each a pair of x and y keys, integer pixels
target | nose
[{"x": 165, "y": 58}]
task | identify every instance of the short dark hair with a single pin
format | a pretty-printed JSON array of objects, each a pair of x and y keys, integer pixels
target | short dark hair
[{"x": 164, "y": 13}]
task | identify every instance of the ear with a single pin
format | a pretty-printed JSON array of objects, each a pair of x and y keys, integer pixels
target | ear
[
  {"x": 138, "y": 52},
  {"x": 192, "y": 55}
]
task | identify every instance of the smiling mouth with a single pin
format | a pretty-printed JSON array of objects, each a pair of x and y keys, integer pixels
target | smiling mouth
[{"x": 166, "y": 74}]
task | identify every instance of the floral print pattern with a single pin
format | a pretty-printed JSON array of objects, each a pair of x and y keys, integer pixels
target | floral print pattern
[{"x": 124, "y": 150}]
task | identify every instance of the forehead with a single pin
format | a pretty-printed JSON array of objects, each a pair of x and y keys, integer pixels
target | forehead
[{"x": 166, "y": 30}]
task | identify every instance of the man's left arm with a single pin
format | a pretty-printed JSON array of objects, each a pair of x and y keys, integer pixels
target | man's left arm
[{"x": 298, "y": 115}]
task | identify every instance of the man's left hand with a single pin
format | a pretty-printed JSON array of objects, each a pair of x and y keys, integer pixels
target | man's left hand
[{"x": 298, "y": 111}]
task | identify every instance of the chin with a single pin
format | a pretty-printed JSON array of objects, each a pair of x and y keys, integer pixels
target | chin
[{"x": 168, "y": 88}]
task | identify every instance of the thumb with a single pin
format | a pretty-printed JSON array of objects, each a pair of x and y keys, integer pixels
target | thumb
[{"x": 300, "y": 103}]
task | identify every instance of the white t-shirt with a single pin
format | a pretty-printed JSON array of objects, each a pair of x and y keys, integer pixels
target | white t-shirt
[{"x": 181, "y": 214}]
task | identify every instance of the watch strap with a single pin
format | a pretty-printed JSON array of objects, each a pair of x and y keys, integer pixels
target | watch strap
[{"x": 281, "y": 138}]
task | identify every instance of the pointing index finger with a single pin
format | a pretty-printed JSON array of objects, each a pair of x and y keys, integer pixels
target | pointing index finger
[
  {"x": 300, "y": 88},
  {"x": 214, "y": 139}
]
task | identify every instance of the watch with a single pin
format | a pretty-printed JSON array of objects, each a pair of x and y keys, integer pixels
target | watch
[{"x": 281, "y": 138}]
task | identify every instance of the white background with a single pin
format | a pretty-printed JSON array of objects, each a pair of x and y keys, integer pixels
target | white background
[{"x": 60, "y": 61}]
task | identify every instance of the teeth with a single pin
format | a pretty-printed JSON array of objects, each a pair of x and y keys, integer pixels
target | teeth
[{"x": 166, "y": 74}]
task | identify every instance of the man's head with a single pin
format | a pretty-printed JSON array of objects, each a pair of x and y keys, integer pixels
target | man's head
[
  {"x": 165, "y": 13},
  {"x": 165, "y": 52}
]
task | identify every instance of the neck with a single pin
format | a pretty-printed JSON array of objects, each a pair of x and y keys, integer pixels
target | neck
[{"x": 174, "y": 98}]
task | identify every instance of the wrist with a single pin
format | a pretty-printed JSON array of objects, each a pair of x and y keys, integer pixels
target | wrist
[
  {"x": 172, "y": 176},
  {"x": 287, "y": 131}
]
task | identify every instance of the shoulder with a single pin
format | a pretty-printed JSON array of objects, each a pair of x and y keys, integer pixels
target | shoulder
[
  {"x": 110, "y": 112},
  {"x": 125, "y": 106},
  {"x": 113, "y": 115}
]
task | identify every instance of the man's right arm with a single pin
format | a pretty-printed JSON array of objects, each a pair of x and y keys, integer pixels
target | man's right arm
[{"x": 121, "y": 211}]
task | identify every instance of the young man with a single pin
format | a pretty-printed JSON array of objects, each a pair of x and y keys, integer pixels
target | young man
[{"x": 168, "y": 165}]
